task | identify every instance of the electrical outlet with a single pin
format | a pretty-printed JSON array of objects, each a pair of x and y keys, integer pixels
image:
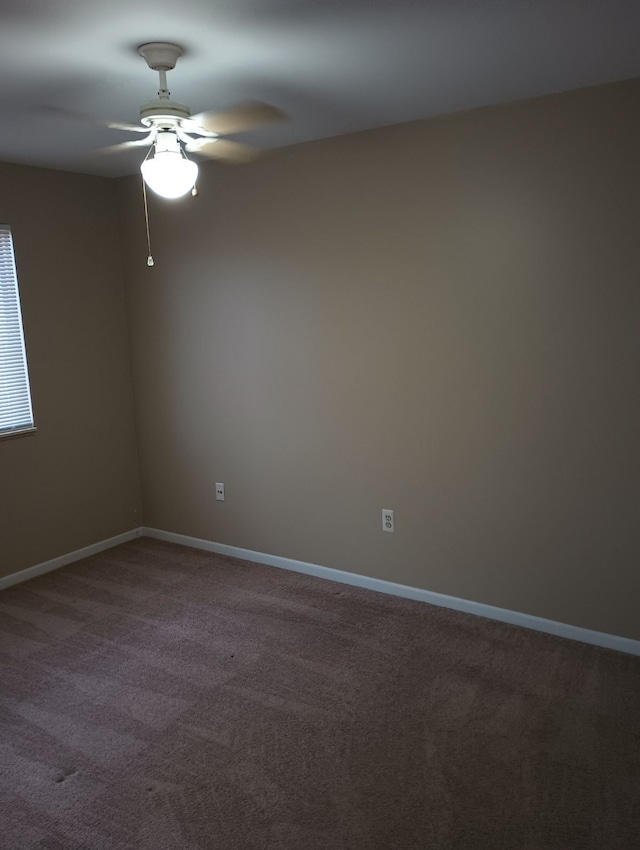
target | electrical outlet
[
  {"x": 388, "y": 522},
  {"x": 220, "y": 492}
]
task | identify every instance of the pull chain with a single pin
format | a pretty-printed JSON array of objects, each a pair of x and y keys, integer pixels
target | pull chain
[{"x": 146, "y": 221}]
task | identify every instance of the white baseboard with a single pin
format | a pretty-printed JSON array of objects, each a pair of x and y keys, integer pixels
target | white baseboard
[
  {"x": 527, "y": 621},
  {"x": 69, "y": 558}
]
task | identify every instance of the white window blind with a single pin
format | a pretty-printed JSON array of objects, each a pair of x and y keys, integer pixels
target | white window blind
[{"x": 15, "y": 397}]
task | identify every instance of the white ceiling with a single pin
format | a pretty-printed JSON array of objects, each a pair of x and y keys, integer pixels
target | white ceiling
[{"x": 335, "y": 66}]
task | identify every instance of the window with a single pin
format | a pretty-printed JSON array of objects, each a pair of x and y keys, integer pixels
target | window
[{"x": 15, "y": 397}]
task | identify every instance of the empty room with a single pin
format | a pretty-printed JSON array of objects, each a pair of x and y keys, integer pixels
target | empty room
[{"x": 319, "y": 416}]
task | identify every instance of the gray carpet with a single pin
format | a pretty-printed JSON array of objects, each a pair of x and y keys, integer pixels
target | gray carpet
[{"x": 155, "y": 697}]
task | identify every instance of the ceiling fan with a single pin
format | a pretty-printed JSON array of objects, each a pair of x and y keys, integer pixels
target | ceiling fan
[{"x": 171, "y": 132}]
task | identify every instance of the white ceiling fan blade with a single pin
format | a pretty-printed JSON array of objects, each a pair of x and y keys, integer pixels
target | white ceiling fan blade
[
  {"x": 61, "y": 112},
  {"x": 223, "y": 149},
  {"x": 185, "y": 137},
  {"x": 248, "y": 116},
  {"x": 133, "y": 143},
  {"x": 129, "y": 128}
]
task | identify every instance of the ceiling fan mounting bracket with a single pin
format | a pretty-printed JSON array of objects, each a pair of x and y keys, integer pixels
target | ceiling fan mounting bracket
[{"x": 160, "y": 55}]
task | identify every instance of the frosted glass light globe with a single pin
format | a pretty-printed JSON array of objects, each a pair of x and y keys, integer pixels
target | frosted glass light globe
[{"x": 169, "y": 174}]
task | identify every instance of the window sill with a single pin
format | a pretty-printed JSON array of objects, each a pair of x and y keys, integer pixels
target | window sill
[{"x": 19, "y": 432}]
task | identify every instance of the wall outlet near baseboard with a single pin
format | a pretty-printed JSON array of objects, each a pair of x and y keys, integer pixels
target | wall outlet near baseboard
[
  {"x": 219, "y": 492},
  {"x": 388, "y": 522}
]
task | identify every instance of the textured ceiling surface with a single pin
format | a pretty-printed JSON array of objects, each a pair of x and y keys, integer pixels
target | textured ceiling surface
[{"x": 334, "y": 66}]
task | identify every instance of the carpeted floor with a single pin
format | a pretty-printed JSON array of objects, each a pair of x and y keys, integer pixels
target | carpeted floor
[{"x": 155, "y": 697}]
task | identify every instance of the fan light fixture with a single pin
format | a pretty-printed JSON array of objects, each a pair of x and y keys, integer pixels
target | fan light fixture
[
  {"x": 169, "y": 173},
  {"x": 173, "y": 132}
]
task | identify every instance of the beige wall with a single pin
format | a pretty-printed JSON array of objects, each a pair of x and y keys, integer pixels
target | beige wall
[
  {"x": 76, "y": 481},
  {"x": 439, "y": 318}
]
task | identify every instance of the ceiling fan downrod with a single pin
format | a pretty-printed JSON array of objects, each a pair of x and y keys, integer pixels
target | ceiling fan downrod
[{"x": 163, "y": 91}]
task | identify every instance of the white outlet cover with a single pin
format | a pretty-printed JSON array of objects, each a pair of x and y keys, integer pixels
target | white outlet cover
[{"x": 388, "y": 521}]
